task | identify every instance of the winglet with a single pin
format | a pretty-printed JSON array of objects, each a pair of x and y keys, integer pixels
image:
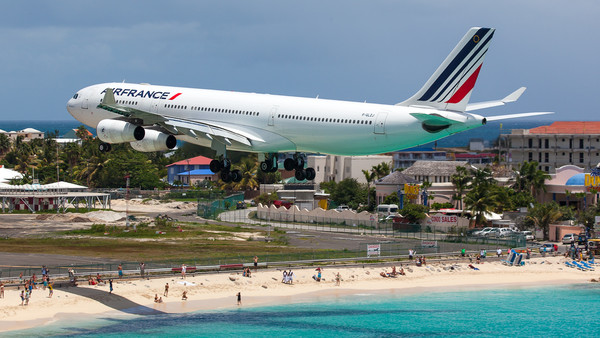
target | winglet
[{"x": 512, "y": 97}]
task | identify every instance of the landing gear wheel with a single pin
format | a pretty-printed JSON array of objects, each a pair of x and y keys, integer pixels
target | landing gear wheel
[
  {"x": 265, "y": 166},
  {"x": 104, "y": 147},
  {"x": 274, "y": 166},
  {"x": 236, "y": 176},
  {"x": 299, "y": 163},
  {"x": 289, "y": 164},
  {"x": 300, "y": 175},
  {"x": 215, "y": 166},
  {"x": 226, "y": 176},
  {"x": 225, "y": 164},
  {"x": 310, "y": 174}
]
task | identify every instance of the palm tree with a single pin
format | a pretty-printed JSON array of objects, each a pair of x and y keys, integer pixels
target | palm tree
[
  {"x": 248, "y": 167},
  {"x": 481, "y": 200},
  {"x": 381, "y": 170},
  {"x": 529, "y": 177},
  {"x": 370, "y": 177},
  {"x": 5, "y": 143},
  {"x": 460, "y": 180},
  {"x": 542, "y": 215}
]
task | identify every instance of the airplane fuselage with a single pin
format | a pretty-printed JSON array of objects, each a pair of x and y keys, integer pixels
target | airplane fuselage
[{"x": 274, "y": 123}]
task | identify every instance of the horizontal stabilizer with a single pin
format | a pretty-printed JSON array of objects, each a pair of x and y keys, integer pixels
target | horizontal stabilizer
[
  {"x": 514, "y": 116},
  {"x": 512, "y": 97},
  {"x": 433, "y": 119}
]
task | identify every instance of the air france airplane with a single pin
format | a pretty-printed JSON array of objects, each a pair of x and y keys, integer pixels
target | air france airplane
[{"x": 153, "y": 118}]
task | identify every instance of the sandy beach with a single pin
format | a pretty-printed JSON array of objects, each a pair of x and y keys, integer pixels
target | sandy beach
[{"x": 218, "y": 290}]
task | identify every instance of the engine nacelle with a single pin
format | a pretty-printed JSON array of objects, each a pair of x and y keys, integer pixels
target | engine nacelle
[
  {"x": 115, "y": 131},
  {"x": 155, "y": 141}
]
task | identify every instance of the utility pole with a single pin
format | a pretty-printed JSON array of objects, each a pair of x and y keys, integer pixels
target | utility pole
[
  {"x": 127, "y": 201},
  {"x": 57, "y": 167}
]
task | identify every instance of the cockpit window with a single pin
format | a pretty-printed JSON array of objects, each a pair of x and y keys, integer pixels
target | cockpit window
[{"x": 75, "y": 96}]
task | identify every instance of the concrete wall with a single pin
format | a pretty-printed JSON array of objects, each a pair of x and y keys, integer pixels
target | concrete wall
[{"x": 318, "y": 215}]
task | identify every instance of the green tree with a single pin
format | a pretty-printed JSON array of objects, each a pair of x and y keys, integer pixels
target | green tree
[
  {"x": 481, "y": 200},
  {"x": 369, "y": 177},
  {"x": 542, "y": 215},
  {"x": 414, "y": 213},
  {"x": 5, "y": 143},
  {"x": 529, "y": 177},
  {"x": 460, "y": 180}
]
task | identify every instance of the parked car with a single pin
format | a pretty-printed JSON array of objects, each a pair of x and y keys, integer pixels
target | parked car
[
  {"x": 388, "y": 219},
  {"x": 546, "y": 247},
  {"x": 342, "y": 207},
  {"x": 529, "y": 236},
  {"x": 483, "y": 232},
  {"x": 280, "y": 203},
  {"x": 569, "y": 238},
  {"x": 505, "y": 232}
]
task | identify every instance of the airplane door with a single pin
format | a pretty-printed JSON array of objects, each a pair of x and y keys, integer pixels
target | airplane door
[
  {"x": 272, "y": 116},
  {"x": 380, "y": 123}
]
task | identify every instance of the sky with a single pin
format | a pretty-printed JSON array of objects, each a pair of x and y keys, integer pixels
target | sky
[{"x": 379, "y": 51}]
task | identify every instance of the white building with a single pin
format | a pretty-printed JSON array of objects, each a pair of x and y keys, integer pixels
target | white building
[{"x": 337, "y": 168}]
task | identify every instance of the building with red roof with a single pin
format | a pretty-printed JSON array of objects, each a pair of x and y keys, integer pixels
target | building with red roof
[
  {"x": 561, "y": 143},
  {"x": 190, "y": 170}
]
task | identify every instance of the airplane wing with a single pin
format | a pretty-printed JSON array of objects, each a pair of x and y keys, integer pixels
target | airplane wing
[
  {"x": 512, "y": 97},
  {"x": 179, "y": 126}
]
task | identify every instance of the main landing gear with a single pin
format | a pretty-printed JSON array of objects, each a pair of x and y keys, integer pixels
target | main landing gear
[
  {"x": 295, "y": 163},
  {"x": 224, "y": 166},
  {"x": 104, "y": 147}
]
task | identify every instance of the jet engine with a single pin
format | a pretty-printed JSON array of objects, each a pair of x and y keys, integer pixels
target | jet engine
[
  {"x": 115, "y": 131},
  {"x": 155, "y": 141}
]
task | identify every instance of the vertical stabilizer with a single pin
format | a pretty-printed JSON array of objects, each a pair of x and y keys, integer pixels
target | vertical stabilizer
[{"x": 450, "y": 87}]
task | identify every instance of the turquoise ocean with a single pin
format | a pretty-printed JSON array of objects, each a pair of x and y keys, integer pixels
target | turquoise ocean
[{"x": 556, "y": 311}]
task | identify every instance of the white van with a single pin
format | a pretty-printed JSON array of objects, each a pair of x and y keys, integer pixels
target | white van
[{"x": 387, "y": 209}]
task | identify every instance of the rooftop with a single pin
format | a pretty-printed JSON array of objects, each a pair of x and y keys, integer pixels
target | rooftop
[
  {"x": 568, "y": 127},
  {"x": 434, "y": 168},
  {"x": 198, "y": 160}
]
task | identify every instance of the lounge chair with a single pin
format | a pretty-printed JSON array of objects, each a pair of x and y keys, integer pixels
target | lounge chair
[
  {"x": 570, "y": 265},
  {"x": 510, "y": 259},
  {"x": 579, "y": 266},
  {"x": 587, "y": 266},
  {"x": 518, "y": 260}
]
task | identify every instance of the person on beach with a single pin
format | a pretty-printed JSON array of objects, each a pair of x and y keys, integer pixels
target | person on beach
[
  {"x": 318, "y": 276},
  {"x": 27, "y": 295},
  {"x": 239, "y": 298},
  {"x": 50, "y": 290},
  {"x": 110, "y": 285},
  {"x": 142, "y": 269},
  {"x": 21, "y": 278},
  {"x": 338, "y": 279},
  {"x": 156, "y": 297},
  {"x": 183, "y": 268},
  {"x": 22, "y": 297},
  {"x": 120, "y": 269},
  {"x": 402, "y": 270},
  {"x": 166, "y": 293},
  {"x": 255, "y": 263},
  {"x": 410, "y": 254},
  {"x": 284, "y": 279},
  {"x": 1, "y": 290},
  {"x": 463, "y": 252},
  {"x": 499, "y": 252},
  {"x": 184, "y": 296}
]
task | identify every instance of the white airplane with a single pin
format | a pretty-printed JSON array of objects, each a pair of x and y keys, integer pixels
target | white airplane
[{"x": 153, "y": 118}]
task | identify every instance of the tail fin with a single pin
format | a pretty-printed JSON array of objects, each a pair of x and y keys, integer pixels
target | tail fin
[{"x": 450, "y": 87}]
